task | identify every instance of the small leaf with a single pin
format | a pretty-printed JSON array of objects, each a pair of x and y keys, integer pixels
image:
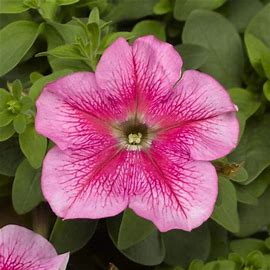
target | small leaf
[
  {"x": 16, "y": 39},
  {"x": 239, "y": 176},
  {"x": 72, "y": 235},
  {"x": 255, "y": 259},
  {"x": 194, "y": 56},
  {"x": 150, "y": 251},
  {"x": 244, "y": 196},
  {"x": 66, "y": 2},
  {"x": 6, "y": 118},
  {"x": 150, "y": 27},
  {"x": 33, "y": 146},
  {"x": 254, "y": 217},
  {"x": 26, "y": 192},
  {"x": 19, "y": 123},
  {"x": 247, "y": 104},
  {"x": 211, "y": 31},
  {"x": 12, "y": 6},
  {"x": 6, "y": 132},
  {"x": 67, "y": 51},
  {"x": 226, "y": 214},
  {"x": 256, "y": 49},
  {"x": 266, "y": 90},
  {"x": 259, "y": 25},
  {"x": 163, "y": 7},
  {"x": 244, "y": 246},
  {"x": 182, "y": 247},
  {"x": 16, "y": 89},
  {"x": 10, "y": 156},
  {"x": 5, "y": 96},
  {"x": 26, "y": 103},
  {"x": 183, "y": 8},
  {"x": 133, "y": 229},
  {"x": 254, "y": 147},
  {"x": 94, "y": 16},
  {"x": 240, "y": 12}
]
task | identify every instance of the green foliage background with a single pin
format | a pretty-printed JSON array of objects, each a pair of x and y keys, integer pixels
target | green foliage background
[{"x": 42, "y": 40}]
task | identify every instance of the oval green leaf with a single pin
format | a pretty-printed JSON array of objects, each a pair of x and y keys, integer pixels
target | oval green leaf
[
  {"x": 26, "y": 191},
  {"x": 72, "y": 235},
  {"x": 33, "y": 146},
  {"x": 16, "y": 39}
]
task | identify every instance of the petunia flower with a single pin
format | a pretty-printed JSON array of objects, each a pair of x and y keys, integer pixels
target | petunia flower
[
  {"x": 135, "y": 134},
  {"x": 22, "y": 249}
]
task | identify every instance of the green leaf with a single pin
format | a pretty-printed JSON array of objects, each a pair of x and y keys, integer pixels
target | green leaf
[
  {"x": 150, "y": 27},
  {"x": 19, "y": 123},
  {"x": 239, "y": 176},
  {"x": 69, "y": 31},
  {"x": 219, "y": 241},
  {"x": 266, "y": 90},
  {"x": 247, "y": 104},
  {"x": 67, "y": 51},
  {"x": 240, "y": 12},
  {"x": 256, "y": 50},
  {"x": 253, "y": 218},
  {"x": 150, "y": 251},
  {"x": 33, "y": 146},
  {"x": 48, "y": 9},
  {"x": 16, "y": 39},
  {"x": 220, "y": 265},
  {"x": 72, "y": 235},
  {"x": 26, "y": 191},
  {"x": 255, "y": 260},
  {"x": 225, "y": 213},
  {"x": 196, "y": 265},
  {"x": 133, "y": 230},
  {"x": 266, "y": 63},
  {"x": 259, "y": 25},
  {"x": 6, "y": 118},
  {"x": 37, "y": 87},
  {"x": 16, "y": 89},
  {"x": 254, "y": 147},
  {"x": 244, "y": 246},
  {"x": 6, "y": 132},
  {"x": 94, "y": 16},
  {"x": 194, "y": 56},
  {"x": 260, "y": 184},
  {"x": 211, "y": 30},
  {"x": 26, "y": 103},
  {"x": 12, "y": 6},
  {"x": 163, "y": 7},
  {"x": 183, "y": 8},
  {"x": 182, "y": 247},
  {"x": 5, "y": 96},
  {"x": 10, "y": 156},
  {"x": 66, "y": 2},
  {"x": 244, "y": 196},
  {"x": 129, "y": 10}
]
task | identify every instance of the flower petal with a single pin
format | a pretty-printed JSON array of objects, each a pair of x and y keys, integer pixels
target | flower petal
[
  {"x": 197, "y": 96},
  {"x": 71, "y": 112},
  {"x": 138, "y": 74},
  {"x": 115, "y": 75},
  {"x": 157, "y": 67},
  {"x": 22, "y": 249},
  {"x": 78, "y": 185},
  {"x": 174, "y": 195}
]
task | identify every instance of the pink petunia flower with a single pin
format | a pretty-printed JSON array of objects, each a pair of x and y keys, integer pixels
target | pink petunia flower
[
  {"x": 134, "y": 135},
  {"x": 22, "y": 249}
]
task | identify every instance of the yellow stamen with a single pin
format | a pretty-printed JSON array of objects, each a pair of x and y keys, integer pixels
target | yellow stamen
[{"x": 135, "y": 138}]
